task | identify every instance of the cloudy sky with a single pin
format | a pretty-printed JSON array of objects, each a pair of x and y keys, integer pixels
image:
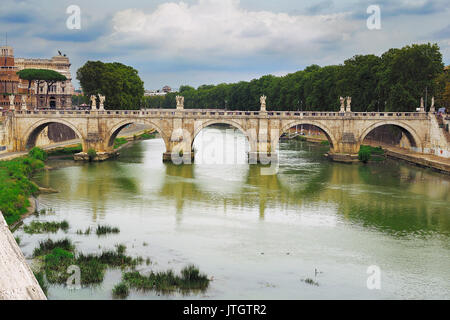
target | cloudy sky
[{"x": 213, "y": 41}]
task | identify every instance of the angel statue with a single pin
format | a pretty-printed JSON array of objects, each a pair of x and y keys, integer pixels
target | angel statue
[
  {"x": 262, "y": 100},
  {"x": 180, "y": 102},
  {"x": 94, "y": 102},
  {"x": 11, "y": 102},
  {"x": 342, "y": 104},
  {"x": 102, "y": 100}
]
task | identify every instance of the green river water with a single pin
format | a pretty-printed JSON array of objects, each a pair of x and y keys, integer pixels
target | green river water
[{"x": 258, "y": 235}]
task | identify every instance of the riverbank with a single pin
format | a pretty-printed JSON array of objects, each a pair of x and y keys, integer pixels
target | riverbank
[
  {"x": 419, "y": 159},
  {"x": 16, "y": 187},
  {"x": 435, "y": 163}
]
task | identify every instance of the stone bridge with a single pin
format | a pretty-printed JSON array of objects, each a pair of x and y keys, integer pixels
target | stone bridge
[{"x": 97, "y": 129}]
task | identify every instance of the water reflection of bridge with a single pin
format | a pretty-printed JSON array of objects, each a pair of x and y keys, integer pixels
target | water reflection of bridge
[{"x": 401, "y": 200}]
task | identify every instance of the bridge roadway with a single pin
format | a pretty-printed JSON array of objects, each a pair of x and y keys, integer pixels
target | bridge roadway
[{"x": 97, "y": 129}]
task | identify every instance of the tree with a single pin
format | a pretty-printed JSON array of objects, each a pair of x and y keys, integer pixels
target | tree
[
  {"x": 412, "y": 69},
  {"x": 443, "y": 83},
  {"x": 51, "y": 77},
  {"x": 120, "y": 84},
  {"x": 393, "y": 82},
  {"x": 39, "y": 76}
]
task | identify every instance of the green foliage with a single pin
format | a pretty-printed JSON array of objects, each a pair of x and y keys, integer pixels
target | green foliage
[
  {"x": 102, "y": 230},
  {"x": 92, "y": 154},
  {"x": 37, "y": 153},
  {"x": 41, "y": 74},
  {"x": 146, "y": 136},
  {"x": 16, "y": 186},
  {"x": 65, "y": 150},
  {"x": 393, "y": 82},
  {"x": 365, "y": 153},
  {"x": 167, "y": 282},
  {"x": 48, "y": 245},
  {"x": 119, "y": 142},
  {"x": 92, "y": 267},
  {"x": 121, "y": 84},
  {"x": 86, "y": 232},
  {"x": 79, "y": 100},
  {"x": 120, "y": 291},
  {"x": 45, "y": 227}
]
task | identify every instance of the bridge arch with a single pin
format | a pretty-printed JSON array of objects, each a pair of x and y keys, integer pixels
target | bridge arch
[
  {"x": 36, "y": 128},
  {"x": 198, "y": 128},
  {"x": 328, "y": 133},
  {"x": 409, "y": 131},
  {"x": 114, "y": 131}
]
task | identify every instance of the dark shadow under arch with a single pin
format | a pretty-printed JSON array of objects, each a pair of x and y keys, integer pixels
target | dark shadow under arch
[
  {"x": 382, "y": 129},
  {"x": 314, "y": 125},
  {"x": 117, "y": 130},
  {"x": 34, "y": 134}
]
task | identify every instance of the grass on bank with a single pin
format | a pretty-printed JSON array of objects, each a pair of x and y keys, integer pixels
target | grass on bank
[
  {"x": 120, "y": 291},
  {"x": 367, "y": 153},
  {"x": 58, "y": 256},
  {"x": 118, "y": 142},
  {"x": 103, "y": 230},
  {"x": 166, "y": 282},
  {"x": 48, "y": 245},
  {"x": 16, "y": 186},
  {"x": 65, "y": 151},
  {"x": 46, "y": 227}
]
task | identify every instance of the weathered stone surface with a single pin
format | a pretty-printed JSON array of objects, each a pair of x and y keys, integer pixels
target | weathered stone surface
[
  {"x": 17, "y": 281},
  {"x": 179, "y": 127}
]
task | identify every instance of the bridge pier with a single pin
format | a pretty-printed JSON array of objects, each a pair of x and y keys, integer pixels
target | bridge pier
[
  {"x": 343, "y": 157},
  {"x": 179, "y": 157}
]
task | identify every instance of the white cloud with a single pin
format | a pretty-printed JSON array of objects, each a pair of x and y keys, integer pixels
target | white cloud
[{"x": 223, "y": 28}]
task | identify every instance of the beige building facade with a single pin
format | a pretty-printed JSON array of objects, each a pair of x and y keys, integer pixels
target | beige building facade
[{"x": 60, "y": 94}]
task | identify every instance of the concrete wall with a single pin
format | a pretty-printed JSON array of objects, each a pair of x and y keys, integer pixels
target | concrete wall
[{"x": 17, "y": 281}]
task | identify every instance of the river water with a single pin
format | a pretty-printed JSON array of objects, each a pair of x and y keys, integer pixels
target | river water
[{"x": 259, "y": 235}]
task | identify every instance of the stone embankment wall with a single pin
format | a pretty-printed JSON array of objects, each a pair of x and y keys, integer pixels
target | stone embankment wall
[
  {"x": 439, "y": 139},
  {"x": 2, "y": 135},
  {"x": 17, "y": 281}
]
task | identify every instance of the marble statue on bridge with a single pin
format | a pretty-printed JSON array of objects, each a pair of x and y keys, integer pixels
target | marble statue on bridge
[
  {"x": 102, "y": 101},
  {"x": 262, "y": 100},
  {"x": 349, "y": 104},
  {"x": 24, "y": 102},
  {"x": 11, "y": 102},
  {"x": 342, "y": 104},
  {"x": 93, "y": 102},
  {"x": 180, "y": 102}
]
